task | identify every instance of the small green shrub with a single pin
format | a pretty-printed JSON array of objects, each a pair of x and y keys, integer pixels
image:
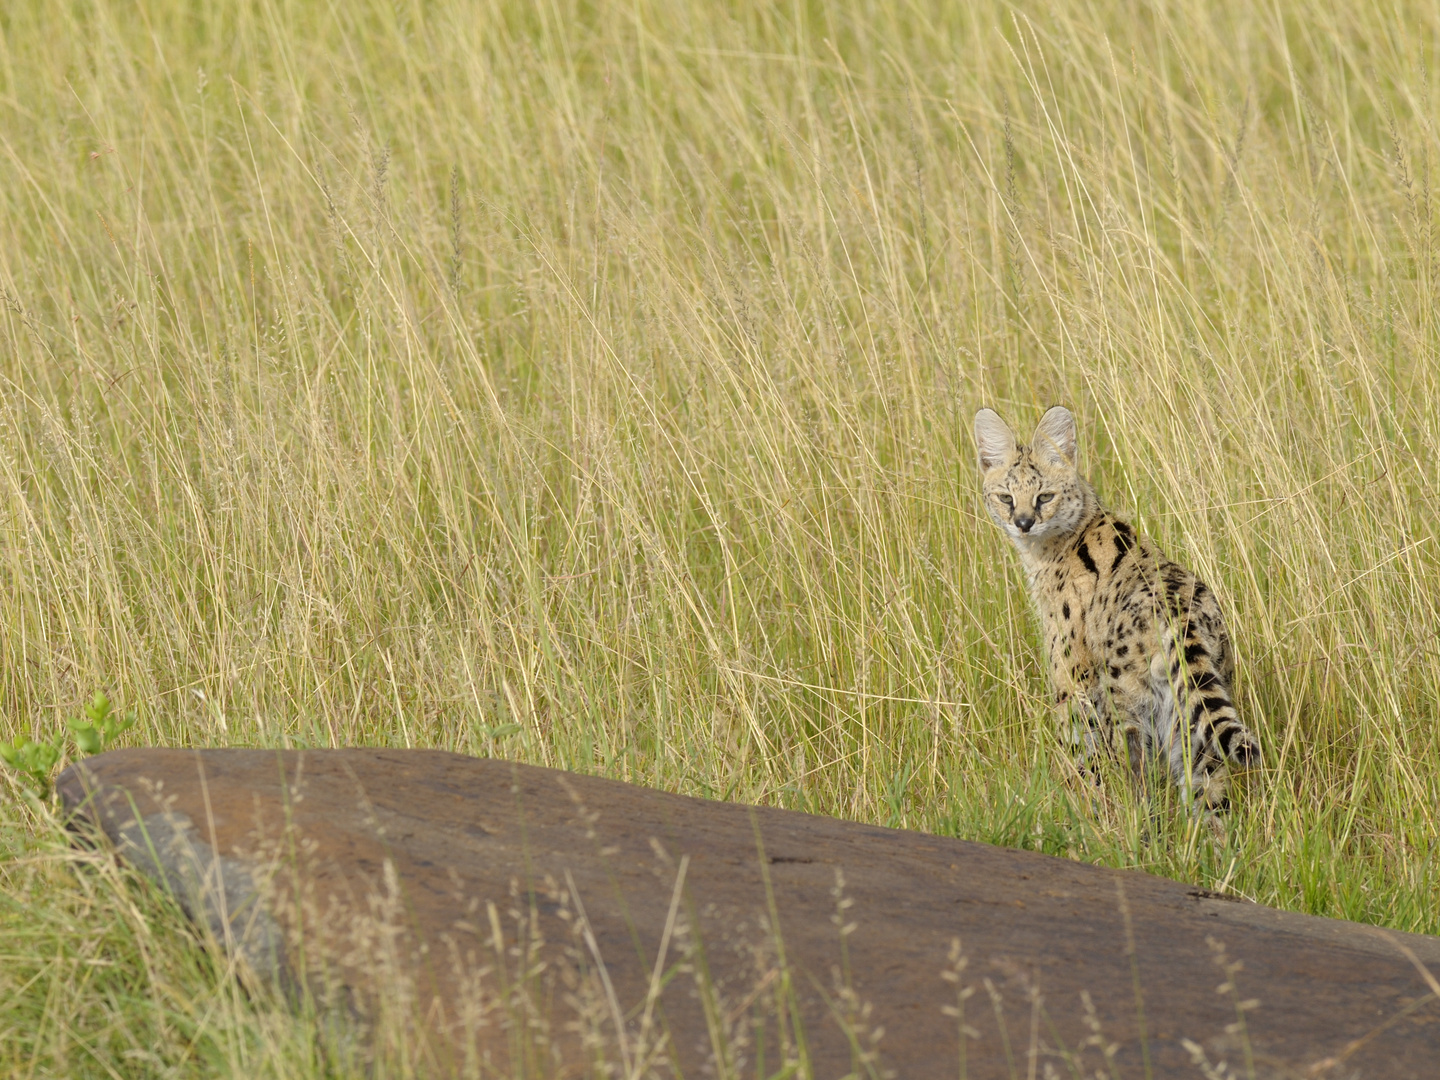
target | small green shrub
[
  {"x": 100, "y": 726},
  {"x": 36, "y": 761}
]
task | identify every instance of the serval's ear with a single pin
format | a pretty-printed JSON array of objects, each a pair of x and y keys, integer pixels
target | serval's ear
[
  {"x": 993, "y": 439},
  {"x": 1055, "y": 437}
]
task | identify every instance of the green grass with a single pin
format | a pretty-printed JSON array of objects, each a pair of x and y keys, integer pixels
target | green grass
[{"x": 398, "y": 373}]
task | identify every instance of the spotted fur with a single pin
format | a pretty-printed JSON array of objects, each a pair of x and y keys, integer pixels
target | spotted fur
[{"x": 1139, "y": 657}]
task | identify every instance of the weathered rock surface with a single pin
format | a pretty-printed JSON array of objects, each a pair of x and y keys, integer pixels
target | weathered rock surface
[{"x": 492, "y": 911}]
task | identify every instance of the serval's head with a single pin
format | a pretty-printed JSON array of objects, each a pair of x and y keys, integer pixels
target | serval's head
[{"x": 1033, "y": 492}]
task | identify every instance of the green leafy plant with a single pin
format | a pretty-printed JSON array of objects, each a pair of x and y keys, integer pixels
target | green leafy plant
[
  {"x": 100, "y": 725},
  {"x": 92, "y": 733},
  {"x": 33, "y": 760}
]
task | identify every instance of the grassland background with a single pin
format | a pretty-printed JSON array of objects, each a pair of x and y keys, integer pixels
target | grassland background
[{"x": 398, "y": 373}]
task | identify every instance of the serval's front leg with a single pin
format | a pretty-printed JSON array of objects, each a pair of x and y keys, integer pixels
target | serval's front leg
[{"x": 1083, "y": 725}]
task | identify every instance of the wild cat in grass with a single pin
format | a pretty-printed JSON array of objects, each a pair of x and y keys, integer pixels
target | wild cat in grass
[{"x": 1139, "y": 657}]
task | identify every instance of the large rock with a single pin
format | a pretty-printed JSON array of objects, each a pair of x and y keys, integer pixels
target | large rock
[{"x": 488, "y": 912}]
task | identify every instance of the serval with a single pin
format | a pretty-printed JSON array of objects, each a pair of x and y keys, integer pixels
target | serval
[{"x": 1139, "y": 657}]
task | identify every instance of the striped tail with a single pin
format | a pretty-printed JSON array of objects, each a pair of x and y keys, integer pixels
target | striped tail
[{"x": 1204, "y": 733}]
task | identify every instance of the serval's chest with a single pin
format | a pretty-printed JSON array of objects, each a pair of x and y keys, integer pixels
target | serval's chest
[{"x": 1106, "y": 568}]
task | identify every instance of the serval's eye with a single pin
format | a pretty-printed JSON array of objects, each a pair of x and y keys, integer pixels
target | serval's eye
[
  {"x": 1041, "y": 500},
  {"x": 1006, "y": 499}
]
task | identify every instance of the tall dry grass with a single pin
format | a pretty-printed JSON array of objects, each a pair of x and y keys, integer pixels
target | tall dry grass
[{"x": 590, "y": 384}]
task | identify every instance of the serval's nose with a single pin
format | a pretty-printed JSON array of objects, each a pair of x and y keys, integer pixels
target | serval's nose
[{"x": 1023, "y": 521}]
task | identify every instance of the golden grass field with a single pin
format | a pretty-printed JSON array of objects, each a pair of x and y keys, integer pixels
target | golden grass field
[{"x": 590, "y": 384}]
